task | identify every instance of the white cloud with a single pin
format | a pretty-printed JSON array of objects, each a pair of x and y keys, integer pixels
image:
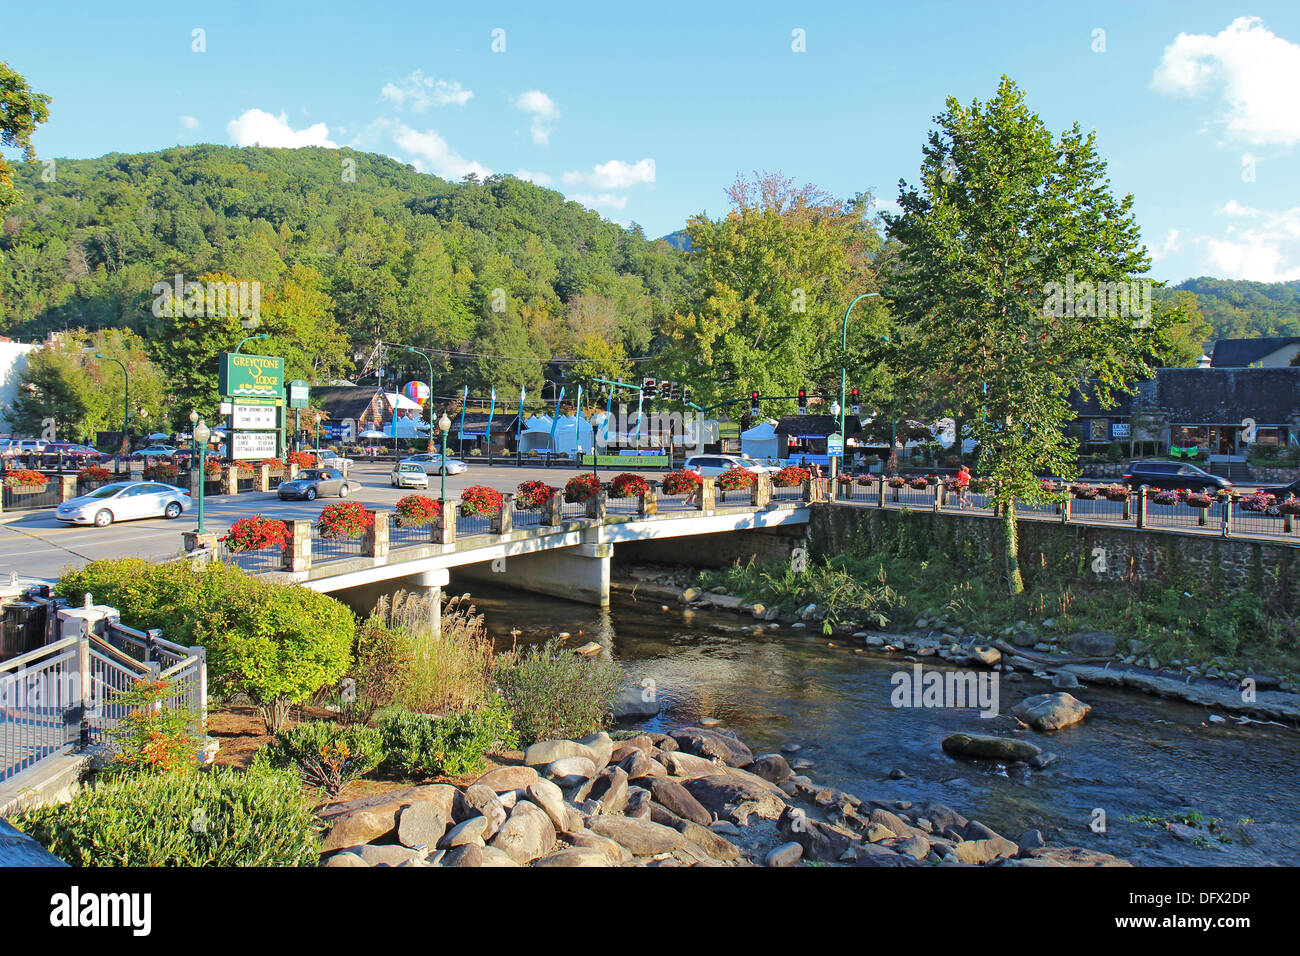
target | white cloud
[
  {"x": 258, "y": 128},
  {"x": 541, "y": 179},
  {"x": 1257, "y": 71},
  {"x": 614, "y": 174},
  {"x": 604, "y": 200},
  {"x": 419, "y": 92},
  {"x": 544, "y": 112},
  {"x": 1170, "y": 244},
  {"x": 189, "y": 122},
  {"x": 1260, "y": 244},
  {"x": 432, "y": 154}
]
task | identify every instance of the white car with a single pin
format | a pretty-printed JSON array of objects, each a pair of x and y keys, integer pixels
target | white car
[
  {"x": 124, "y": 500},
  {"x": 329, "y": 458},
  {"x": 408, "y": 474},
  {"x": 431, "y": 462},
  {"x": 710, "y": 466}
]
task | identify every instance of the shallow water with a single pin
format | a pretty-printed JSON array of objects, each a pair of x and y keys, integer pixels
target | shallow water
[{"x": 1135, "y": 755}]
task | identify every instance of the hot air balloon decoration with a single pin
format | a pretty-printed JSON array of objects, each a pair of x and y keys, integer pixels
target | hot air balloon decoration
[{"x": 417, "y": 392}]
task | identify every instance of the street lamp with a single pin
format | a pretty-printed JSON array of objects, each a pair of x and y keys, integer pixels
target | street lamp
[
  {"x": 429, "y": 361},
  {"x": 201, "y": 433},
  {"x": 126, "y": 401},
  {"x": 444, "y": 426},
  {"x": 249, "y": 338},
  {"x": 597, "y": 422}
]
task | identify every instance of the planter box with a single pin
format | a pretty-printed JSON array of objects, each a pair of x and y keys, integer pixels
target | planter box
[{"x": 26, "y": 489}]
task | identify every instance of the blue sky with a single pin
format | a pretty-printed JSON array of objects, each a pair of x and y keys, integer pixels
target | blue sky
[{"x": 647, "y": 113}]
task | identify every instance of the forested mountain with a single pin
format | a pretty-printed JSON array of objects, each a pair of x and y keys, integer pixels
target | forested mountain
[
  {"x": 351, "y": 249},
  {"x": 1238, "y": 309}
]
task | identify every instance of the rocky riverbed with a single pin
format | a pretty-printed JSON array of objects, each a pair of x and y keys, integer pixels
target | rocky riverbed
[{"x": 697, "y": 796}]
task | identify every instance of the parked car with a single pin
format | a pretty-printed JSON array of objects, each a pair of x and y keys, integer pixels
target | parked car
[
  {"x": 72, "y": 450},
  {"x": 329, "y": 458},
  {"x": 25, "y": 446},
  {"x": 408, "y": 474},
  {"x": 1173, "y": 474},
  {"x": 314, "y": 483},
  {"x": 431, "y": 462},
  {"x": 123, "y": 501},
  {"x": 154, "y": 451},
  {"x": 710, "y": 466},
  {"x": 1282, "y": 492}
]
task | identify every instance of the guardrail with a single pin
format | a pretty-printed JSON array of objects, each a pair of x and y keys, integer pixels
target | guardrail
[{"x": 63, "y": 694}]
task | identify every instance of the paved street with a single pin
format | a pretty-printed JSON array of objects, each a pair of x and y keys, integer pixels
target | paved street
[{"x": 37, "y": 546}]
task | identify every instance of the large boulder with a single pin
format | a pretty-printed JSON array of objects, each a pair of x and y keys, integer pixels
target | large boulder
[
  {"x": 421, "y": 824},
  {"x": 574, "y": 856},
  {"x": 677, "y": 799},
  {"x": 988, "y": 747},
  {"x": 1066, "y": 856},
  {"x": 638, "y": 764},
  {"x": 984, "y": 851},
  {"x": 465, "y": 832},
  {"x": 640, "y": 837},
  {"x": 714, "y": 743},
  {"x": 615, "y": 853},
  {"x": 610, "y": 790},
  {"x": 724, "y": 794},
  {"x": 717, "y": 847},
  {"x": 526, "y": 835},
  {"x": 1051, "y": 711},
  {"x": 688, "y": 765},
  {"x": 1092, "y": 644},
  {"x": 787, "y": 854},
  {"x": 571, "y": 771},
  {"x": 357, "y": 822},
  {"x": 771, "y": 767},
  {"x": 821, "y": 842},
  {"x": 507, "y": 778},
  {"x": 548, "y": 751},
  {"x": 600, "y": 746},
  {"x": 478, "y": 800},
  {"x": 631, "y": 703},
  {"x": 550, "y": 798}
]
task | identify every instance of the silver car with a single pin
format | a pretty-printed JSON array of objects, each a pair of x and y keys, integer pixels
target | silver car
[
  {"x": 431, "y": 462},
  {"x": 408, "y": 474},
  {"x": 123, "y": 501},
  {"x": 710, "y": 466}
]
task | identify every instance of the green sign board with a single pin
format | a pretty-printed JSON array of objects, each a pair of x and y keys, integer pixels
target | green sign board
[
  {"x": 298, "y": 391},
  {"x": 627, "y": 461},
  {"x": 251, "y": 376},
  {"x": 834, "y": 446}
]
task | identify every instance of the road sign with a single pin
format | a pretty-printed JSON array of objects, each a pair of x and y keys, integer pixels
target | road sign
[
  {"x": 834, "y": 446},
  {"x": 298, "y": 391}
]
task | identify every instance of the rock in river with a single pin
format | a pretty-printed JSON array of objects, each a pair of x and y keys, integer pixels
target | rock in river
[
  {"x": 989, "y": 747},
  {"x": 1051, "y": 711}
]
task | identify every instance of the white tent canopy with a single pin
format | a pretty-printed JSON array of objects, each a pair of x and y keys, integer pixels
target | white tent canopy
[
  {"x": 569, "y": 432},
  {"x": 759, "y": 442},
  {"x": 399, "y": 402}
]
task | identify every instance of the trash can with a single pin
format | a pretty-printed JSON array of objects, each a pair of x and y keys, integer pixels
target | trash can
[{"x": 22, "y": 628}]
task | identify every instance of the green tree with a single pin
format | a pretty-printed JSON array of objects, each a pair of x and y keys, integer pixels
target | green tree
[
  {"x": 21, "y": 110},
  {"x": 1005, "y": 215}
]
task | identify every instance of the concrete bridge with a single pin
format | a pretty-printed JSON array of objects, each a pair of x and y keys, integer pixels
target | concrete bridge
[{"x": 563, "y": 549}]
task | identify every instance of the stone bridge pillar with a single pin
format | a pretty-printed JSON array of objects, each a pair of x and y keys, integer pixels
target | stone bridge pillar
[{"x": 433, "y": 582}]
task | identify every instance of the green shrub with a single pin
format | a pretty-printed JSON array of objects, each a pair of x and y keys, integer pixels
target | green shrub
[
  {"x": 275, "y": 643},
  {"x": 327, "y": 755},
  {"x": 416, "y": 744},
  {"x": 383, "y": 660},
  {"x": 553, "y": 692},
  {"x": 223, "y": 817},
  {"x": 152, "y": 735},
  {"x": 447, "y": 672}
]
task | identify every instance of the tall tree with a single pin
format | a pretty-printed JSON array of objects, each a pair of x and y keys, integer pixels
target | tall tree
[
  {"x": 1004, "y": 220},
  {"x": 21, "y": 110}
]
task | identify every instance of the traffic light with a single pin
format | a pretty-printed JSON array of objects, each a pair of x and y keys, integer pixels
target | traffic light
[
  {"x": 753, "y": 398},
  {"x": 686, "y": 394},
  {"x": 803, "y": 401},
  {"x": 853, "y": 401},
  {"x": 649, "y": 388},
  {"x": 668, "y": 390}
]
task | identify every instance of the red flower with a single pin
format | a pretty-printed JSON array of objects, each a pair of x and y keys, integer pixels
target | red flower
[
  {"x": 582, "y": 487},
  {"x": 628, "y": 485},
  {"x": 790, "y": 476},
  {"x": 533, "y": 494},
  {"x": 256, "y": 534},
  {"x": 681, "y": 482},
  {"x": 417, "y": 511},
  {"x": 345, "y": 519},
  {"x": 480, "y": 500},
  {"x": 736, "y": 479}
]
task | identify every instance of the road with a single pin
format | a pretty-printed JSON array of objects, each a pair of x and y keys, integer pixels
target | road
[{"x": 36, "y": 546}]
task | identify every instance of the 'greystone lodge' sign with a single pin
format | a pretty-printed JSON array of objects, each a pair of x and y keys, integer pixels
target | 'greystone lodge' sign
[{"x": 251, "y": 376}]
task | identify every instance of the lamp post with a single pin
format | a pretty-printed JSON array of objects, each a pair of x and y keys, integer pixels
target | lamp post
[
  {"x": 597, "y": 422},
  {"x": 844, "y": 350},
  {"x": 126, "y": 401},
  {"x": 249, "y": 338},
  {"x": 429, "y": 362},
  {"x": 201, "y": 434},
  {"x": 444, "y": 426}
]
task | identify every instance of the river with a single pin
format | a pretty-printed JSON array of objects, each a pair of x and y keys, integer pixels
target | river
[{"x": 1134, "y": 756}]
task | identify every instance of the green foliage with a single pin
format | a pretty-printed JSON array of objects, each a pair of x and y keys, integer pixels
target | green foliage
[
  {"x": 1240, "y": 309},
  {"x": 553, "y": 692},
  {"x": 328, "y": 755},
  {"x": 222, "y": 817},
  {"x": 395, "y": 255},
  {"x": 838, "y": 588},
  {"x": 152, "y": 735},
  {"x": 275, "y": 643},
  {"x": 1004, "y": 214},
  {"x": 454, "y": 745},
  {"x": 21, "y": 110}
]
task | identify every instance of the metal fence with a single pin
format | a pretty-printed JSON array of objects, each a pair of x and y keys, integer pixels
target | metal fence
[
  {"x": 334, "y": 547},
  {"x": 472, "y": 524},
  {"x": 37, "y": 700},
  {"x": 791, "y": 493},
  {"x": 254, "y": 562},
  {"x": 405, "y": 535},
  {"x": 525, "y": 517},
  {"x": 623, "y": 506},
  {"x": 678, "y": 503}
]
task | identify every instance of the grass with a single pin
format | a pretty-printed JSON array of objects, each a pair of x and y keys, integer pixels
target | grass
[{"x": 1177, "y": 621}]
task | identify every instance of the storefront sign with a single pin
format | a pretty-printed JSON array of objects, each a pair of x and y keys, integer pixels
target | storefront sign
[
  {"x": 253, "y": 446},
  {"x": 245, "y": 376},
  {"x": 253, "y": 416}
]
